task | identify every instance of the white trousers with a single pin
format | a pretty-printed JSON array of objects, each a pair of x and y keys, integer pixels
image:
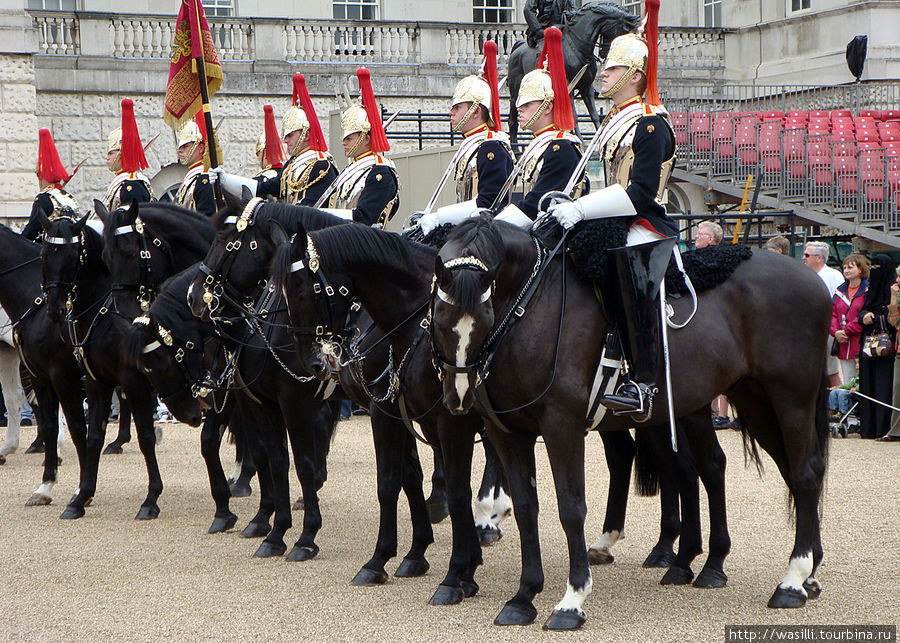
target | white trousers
[{"x": 638, "y": 234}]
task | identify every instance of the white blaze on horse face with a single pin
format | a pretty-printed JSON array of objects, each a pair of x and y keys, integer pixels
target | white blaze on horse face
[
  {"x": 798, "y": 571},
  {"x": 463, "y": 330},
  {"x": 574, "y": 598}
]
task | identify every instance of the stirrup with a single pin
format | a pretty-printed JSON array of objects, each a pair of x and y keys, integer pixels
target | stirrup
[{"x": 631, "y": 398}]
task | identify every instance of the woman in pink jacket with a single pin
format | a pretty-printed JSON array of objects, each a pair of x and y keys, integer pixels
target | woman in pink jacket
[{"x": 848, "y": 300}]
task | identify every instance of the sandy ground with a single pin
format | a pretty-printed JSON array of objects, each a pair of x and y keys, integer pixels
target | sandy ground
[{"x": 109, "y": 577}]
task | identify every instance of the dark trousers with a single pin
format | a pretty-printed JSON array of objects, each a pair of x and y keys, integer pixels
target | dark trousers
[{"x": 876, "y": 379}]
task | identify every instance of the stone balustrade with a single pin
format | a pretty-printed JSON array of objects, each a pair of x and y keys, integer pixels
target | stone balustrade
[{"x": 146, "y": 37}]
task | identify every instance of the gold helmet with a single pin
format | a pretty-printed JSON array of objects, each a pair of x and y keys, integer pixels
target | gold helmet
[
  {"x": 114, "y": 142},
  {"x": 261, "y": 143},
  {"x": 354, "y": 119},
  {"x": 547, "y": 83},
  {"x": 294, "y": 119},
  {"x": 536, "y": 85},
  {"x": 628, "y": 50},
  {"x": 481, "y": 89},
  {"x": 189, "y": 133}
]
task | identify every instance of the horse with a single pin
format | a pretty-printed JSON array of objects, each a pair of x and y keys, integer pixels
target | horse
[
  {"x": 13, "y": 395},
  {"x": 592, "y": 24},
  {"x": 769, "y": 365},
  {"x": 78, "y": 287},
  {"x": 55, "y": 374},
  {"x": 390, "y": 276}
]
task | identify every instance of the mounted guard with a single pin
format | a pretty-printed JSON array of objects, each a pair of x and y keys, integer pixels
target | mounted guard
[
  {"x": 125, "y": 158},
  {"x": 484, "y": 160},
  {"x": 637, "y": 145},
  {"x": 53, "y": 200},
  {"x": 544, "y": 108},
  {"x": 367, "y": 190},
  {"x": 196, "y": 192},
  {"x": 270, "y": 154}
]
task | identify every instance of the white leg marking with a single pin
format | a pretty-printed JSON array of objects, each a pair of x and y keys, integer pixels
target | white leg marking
[
  {"x": 46, "y": 489},
  {"x": 799, "y": 569},
  {"x": 236, "y": 473},
  {"x": 463, "y": 330},
  {"x": 484, "y": 507},
  {"x": 574, "y": 598},
  {"x": 502, "y": 508},
  {"x": 607, "y": 539}
]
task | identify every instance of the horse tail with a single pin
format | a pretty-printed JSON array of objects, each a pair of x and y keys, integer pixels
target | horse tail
[
  {"x": 134, "y": 343},
  {"x": 281, "y": 265},
  {"x": 646, "y": 473},
  {"x": 823, "y": 435}
]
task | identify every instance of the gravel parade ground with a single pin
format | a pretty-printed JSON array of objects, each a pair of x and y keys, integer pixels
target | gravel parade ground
[{"x": 109, "y": 577}]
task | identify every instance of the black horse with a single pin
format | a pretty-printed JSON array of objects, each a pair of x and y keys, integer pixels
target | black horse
[
  {"x": 594, "y": 24},
  {"x": 390, "y": 276},
  {"x": 55, "y": 375},
  {"x": 768, "y": 365},
  {"x": 79, "y": 299}
]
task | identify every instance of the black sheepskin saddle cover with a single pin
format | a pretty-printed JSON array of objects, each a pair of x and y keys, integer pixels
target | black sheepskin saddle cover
[{"x": 707, "y": 267}]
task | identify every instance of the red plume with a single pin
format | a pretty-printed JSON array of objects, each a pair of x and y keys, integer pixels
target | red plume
[
  {"x": 133, "y": 158},
  {"x": 274, "y": 149},
  {"x": 295, "y": 95},
  {"x": 49, "y": 167},
  {"x": 316, "y": 137},
  {"x": 200, "y": 122},
  {"x": 651, "y": 34},
  {"x": 490, "y": 75},
  {"x": 543, "y": 56},
  {"x": 379, "y": 138},
  {"x": 562, "y": 104}
]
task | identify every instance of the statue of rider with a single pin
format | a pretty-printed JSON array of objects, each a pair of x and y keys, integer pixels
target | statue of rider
[
  {"x": 637, "y": 146},
  {"x": 540, "y": 14}
]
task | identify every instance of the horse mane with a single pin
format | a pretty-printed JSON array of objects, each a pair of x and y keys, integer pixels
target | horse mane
[
  {"x": 362, "y": 245},
  {"x": 477, "y": 237},
  {"x": 93, "y": 243},
  {"x": 169, "y": 221},
  {"x": 15, "y": 237},
  {"x": 286, "y": 215}
]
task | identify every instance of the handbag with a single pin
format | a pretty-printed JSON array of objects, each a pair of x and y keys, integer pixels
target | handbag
[{"x": 880, "y": 344}]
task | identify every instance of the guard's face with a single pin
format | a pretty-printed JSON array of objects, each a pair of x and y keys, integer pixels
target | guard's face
[
  {"x": 113, "y": 161},
  {"x": 527, "y": 110},
  {"x": 360, "y": 140},
  {"x": 457, "y": 113},
  {"x": 190, "y": 153},
  {"x": 610, "y": 77},
  {"x": 293, "y": 143}
]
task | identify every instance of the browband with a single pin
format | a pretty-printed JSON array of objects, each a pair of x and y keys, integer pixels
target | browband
[
  {"x": 61, "y": 241},
  {"x": 466, "y": 262}
]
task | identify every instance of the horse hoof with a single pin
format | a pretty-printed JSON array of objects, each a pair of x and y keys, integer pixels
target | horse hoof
[
  {"x": 2, "y": 459},
  {"x": 516, "y": 614},
  {"x": 600, "y": 557},
  {"x": 469, "y": 588},
  {"x": 256, "y": 530},
  {"x": 812, "y": 587},
  {"x": 412, "y": 568},
  {"x": 241, "y": 490},
  {"x": 787, "y": 597},
  {"x": 660, "y": 557},
  {"x": 437, "y": 511},
  {"x": 270, "y": 550},
  {"x": 369, "y": 578},
  {"x": 38, "y": 499},
  {"x": 113, "y": 448},
  {"x": 35, "y": 447},
  {"x": 565, "y": 620},
  {"x": 223, "y": 524},
  {"x": 72, "y": 512},
  {"x": 487, "y": 536},
  {"x": 446, "y": 595},
  {"x": 709, "y": 577},
  {"x": 147, "y": 512},
  {"x": 301, "y": 553},
  {"x": 677, "y": 576}
]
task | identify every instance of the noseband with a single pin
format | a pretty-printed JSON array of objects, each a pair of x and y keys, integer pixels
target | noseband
[{"x": 178, "y": 350}]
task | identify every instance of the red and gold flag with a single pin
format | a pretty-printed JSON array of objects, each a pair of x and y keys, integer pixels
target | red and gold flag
[{"x": 192, "y": 40}]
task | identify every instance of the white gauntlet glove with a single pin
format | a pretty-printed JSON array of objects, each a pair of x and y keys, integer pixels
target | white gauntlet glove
[
  {"x": 612, "y": 201},
  {"x": 567, "y": 213},
  {"x": 231, "y": 183},
  {"x": 512, "y": 214},
  {"x": 428, "y": 222}
]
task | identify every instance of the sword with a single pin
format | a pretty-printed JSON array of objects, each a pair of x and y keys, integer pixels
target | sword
[
  {"x": 330, "y": 188},
  {"x": 74, "y": 172}
]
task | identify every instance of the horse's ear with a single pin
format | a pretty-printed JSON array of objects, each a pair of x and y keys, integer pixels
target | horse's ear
[
  {"x": 79, "y": 225},
  {"x": 232, "y": 201},
  {"x": 101, "y": 211},
  {"x": 246, "y": 194},
  {"x": 44, "y": 219},
  {"x": 276, "y": 232},
  {"x": 439, "y": 269},
  {"x": 298, "y": 241}
]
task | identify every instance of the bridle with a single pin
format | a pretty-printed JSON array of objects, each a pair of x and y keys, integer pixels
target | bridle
[
  {"x": 147, "y": 288},
  {"x": 179, "y": 350}
]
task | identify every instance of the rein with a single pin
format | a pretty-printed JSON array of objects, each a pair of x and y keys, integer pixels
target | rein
[
  {"x": 147, "y": 287},
  {"x": 21, "y": 265}
]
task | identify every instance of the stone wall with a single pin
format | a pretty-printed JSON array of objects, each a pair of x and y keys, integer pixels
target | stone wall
[{"x": 18, "y": 135}]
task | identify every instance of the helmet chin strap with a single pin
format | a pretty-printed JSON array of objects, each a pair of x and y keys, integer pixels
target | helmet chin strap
[
  {"x": 465, "y": 119},
  {"x": 187, "y": 158},
  {"x": 351, "y": 153},
  {"x": 296, "y": 149},
  {"x": 118, "y": 160},
  {"x": 537, "y": 114},
  {"x": 612, "y": 91}
]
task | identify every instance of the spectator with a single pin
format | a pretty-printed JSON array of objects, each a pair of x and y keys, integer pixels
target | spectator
[
  {"x": 779, "y": 244},
  {"x": 848, "y": 300},
  {"x": 894, "y": 320},
  {"x": 709, "y": 233},
  {"x": 876, "y": 374},
  {"x": 815, "y": 256}
]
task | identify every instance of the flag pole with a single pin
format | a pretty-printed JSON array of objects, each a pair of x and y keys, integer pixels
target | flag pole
[{"x": 207, "y": 110}]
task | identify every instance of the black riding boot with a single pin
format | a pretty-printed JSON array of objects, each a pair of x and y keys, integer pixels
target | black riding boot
[{"x": 640, "y": 270}]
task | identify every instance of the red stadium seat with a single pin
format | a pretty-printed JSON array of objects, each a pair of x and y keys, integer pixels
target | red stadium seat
[
  {"x": 841, "y": 112},
  {"x": 772, "y": 116},
  {"x": 797, "y": 113},
  {"x": 872, "y": 113},
  {"x": 680, "y": 125},
  {"x": 699, "y": 131},
  {"x": 867, "y": 135},
  {"x": 890, "y": 114},
  {"x": 819, "y": 113}
]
